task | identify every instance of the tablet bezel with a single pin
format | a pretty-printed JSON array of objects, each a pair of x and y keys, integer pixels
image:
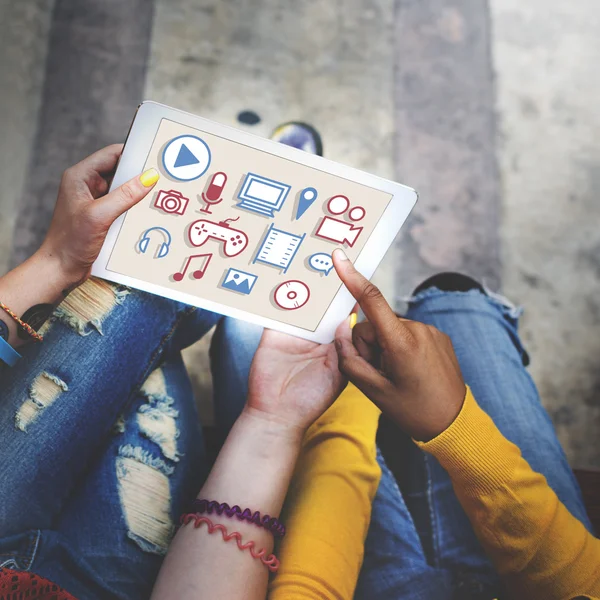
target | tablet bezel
[{"x": 139, "y": 141}]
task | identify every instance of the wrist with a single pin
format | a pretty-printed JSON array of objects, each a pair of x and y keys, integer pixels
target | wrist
[
  {"x": 442, "y": 416},
  {"x": 255, "y": 464},
  {"x": 65, "y": 276},
  {"x": 272, "y": 427}
]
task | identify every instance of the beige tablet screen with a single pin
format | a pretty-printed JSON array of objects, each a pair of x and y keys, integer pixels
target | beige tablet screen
[{"x": 242, "y": 227}]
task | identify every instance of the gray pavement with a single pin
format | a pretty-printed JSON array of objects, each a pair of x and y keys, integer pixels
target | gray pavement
[{"x": 488, "y": 108}]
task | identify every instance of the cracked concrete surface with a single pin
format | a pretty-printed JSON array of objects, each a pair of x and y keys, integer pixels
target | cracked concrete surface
[
  {"x": 547, "y": 99},
  {"x": 23, "y": 48},
  {"x": 488, "y": 108}
]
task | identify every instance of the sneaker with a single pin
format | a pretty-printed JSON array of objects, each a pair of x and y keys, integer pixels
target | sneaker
[
  {"x": 450, "y": 282},
  {"x": 299, "y": 135}
]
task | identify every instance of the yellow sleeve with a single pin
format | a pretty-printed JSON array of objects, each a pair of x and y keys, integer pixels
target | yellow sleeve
[
  {"x": 539, "y": 548},
  {"x": 328, "y": 507}
]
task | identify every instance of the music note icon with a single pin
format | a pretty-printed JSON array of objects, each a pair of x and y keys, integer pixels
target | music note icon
[{"x": 199, "y": 273}]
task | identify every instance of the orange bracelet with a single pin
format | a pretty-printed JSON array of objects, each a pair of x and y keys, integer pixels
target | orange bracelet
[
  {"x": 32, "y": 332},
  {"x": 270, "y": 561}
]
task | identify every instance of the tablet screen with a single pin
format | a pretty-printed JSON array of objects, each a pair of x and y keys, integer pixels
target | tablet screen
[{"x": 243, "y": 227}]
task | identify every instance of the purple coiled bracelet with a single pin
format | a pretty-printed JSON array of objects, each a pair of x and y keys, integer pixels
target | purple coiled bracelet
[{"x": 269, "y": 523}]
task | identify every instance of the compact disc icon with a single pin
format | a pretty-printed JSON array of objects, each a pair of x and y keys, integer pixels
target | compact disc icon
[{"x": 291, "y": 295}]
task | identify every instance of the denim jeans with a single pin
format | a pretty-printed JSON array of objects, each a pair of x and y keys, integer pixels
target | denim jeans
[
  {"x": 102, "y": 448},
  {"x": 420, "y": 543},
  {"x": 101, "y": 444}
]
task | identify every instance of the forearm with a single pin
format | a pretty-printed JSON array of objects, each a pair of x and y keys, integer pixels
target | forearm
[
  {"x": 82, "y": 216},
  {"x": 539, "y": 548},
  {"x": 252, "y": 470},
  {"x": 40, "y": 280}
]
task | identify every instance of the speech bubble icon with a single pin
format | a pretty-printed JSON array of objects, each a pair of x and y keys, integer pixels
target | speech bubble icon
[{"x": 322, "y": 262}]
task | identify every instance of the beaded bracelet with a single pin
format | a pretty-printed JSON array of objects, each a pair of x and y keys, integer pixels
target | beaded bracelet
[
  {"x": 271, "y": 524},
  {"x": 270, "y": 561},
  {"x": 32, "y": 332}
]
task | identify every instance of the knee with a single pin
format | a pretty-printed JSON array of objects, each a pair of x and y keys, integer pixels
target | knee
[{"x": 240, "y": 335}]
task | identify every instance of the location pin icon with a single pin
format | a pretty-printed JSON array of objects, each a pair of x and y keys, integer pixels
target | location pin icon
[{"x": 307, "y": 197}]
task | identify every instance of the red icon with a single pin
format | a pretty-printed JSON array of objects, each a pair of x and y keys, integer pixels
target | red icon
[
  {"x": 214, "y": 191},
  {"x": 172, "y": 202},
  {"x": 234, "y": 241},
  {"x": 336, "y": 230},
  {"x": 199, "y": 273},
  {"x": 291, "y": 295}
]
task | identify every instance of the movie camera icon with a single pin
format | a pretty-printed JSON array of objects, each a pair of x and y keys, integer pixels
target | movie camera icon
[{"x": 336, "y": 230}]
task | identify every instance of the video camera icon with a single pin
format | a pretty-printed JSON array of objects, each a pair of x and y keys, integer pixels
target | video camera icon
[{"x": 336, "y": 230}]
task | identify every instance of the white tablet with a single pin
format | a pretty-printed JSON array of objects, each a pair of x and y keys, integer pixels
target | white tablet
[{"x": 244, "y": 226}]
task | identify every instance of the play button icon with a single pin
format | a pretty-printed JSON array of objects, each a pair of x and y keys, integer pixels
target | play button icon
[{"x": 186, "y": 157}]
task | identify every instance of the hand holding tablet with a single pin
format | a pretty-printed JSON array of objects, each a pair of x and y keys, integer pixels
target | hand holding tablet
[{"x": 264, "y": 216}]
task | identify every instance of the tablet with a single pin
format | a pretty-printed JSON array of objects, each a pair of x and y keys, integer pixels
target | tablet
[{"x": 245, "y": 226}]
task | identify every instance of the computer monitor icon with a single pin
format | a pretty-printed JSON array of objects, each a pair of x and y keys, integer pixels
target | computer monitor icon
[{"x": 262, "y": 195}]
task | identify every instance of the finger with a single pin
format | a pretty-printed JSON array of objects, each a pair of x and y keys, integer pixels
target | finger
[
  {"x": 364, "y": 376},
  {"x": 344, "y": 329},
  {"x": 103, "y": 161},
  {"x": 94, "y": 170},
  {"x": 125, "y": 196},
  {"x": 97, "y": 185},
  {"x": 364, "y": 338},
  {"x": 371, "y": 300}
]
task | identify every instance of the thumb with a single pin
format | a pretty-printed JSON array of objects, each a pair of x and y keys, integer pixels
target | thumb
[
  {"x": 121, "y": 199},
  {"x": 362, "y": 374}
]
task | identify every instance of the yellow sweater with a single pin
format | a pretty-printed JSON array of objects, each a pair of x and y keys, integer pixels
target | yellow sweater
[
  {"x": 328, "y": 507},
  {"x": 537, "y": 546}
]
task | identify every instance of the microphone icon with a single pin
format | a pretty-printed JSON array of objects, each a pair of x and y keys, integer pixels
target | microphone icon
[{"x": 214, "y": 191}]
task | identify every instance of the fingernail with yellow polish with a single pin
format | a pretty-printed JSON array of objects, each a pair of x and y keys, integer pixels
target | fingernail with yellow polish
[
  {"x": 149, "y": 177},
  {"x": 353, "y": 319}
]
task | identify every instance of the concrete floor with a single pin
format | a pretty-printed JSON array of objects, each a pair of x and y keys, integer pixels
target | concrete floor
[
  {"x": 547, "y": 98},
  {"x": 489, "y": 109}
]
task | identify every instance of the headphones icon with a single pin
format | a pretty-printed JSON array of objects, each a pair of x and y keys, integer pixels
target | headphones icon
[{"x": 163, "y": 249}]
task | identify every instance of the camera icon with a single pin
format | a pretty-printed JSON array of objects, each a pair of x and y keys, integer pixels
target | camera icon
[{"x": 172, "y": 202}]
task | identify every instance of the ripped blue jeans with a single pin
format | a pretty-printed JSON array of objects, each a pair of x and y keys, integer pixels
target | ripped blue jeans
[
  {"x": 100, "y": 441},
  {"x": 420, "y": 543},
  {"x": 102, "y": 449}
]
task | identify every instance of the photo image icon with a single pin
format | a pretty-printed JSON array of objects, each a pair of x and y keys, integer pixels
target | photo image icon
[{"x": 239, "y": 281}]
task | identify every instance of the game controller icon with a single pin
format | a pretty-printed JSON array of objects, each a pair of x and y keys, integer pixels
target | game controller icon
[{"x": 234, "y": 240}]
